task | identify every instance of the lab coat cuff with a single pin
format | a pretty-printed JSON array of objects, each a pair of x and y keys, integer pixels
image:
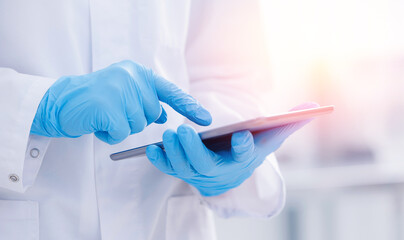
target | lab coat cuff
[
  {"x": 16, "y": 162},
  {"x": 262, "y": 195},
  {"x": 34, "y": 154}
]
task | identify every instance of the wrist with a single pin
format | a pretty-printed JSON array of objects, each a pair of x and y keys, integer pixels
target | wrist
[
  {"x": 38, "y": 124},
  {"x": 221, "y": 187}
]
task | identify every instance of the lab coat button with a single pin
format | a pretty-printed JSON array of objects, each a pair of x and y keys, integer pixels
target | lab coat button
[
  {"x": 14, "y": 177},
  {"x": 34, "y": 153}
]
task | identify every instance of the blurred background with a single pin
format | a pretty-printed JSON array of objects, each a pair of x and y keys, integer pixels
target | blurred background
[{"x": 344, "y": 172}]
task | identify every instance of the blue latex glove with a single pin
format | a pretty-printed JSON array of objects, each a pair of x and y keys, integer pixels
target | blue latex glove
[
  {"x": 213, "y": 173},
  {"x": 114, "y": 102}
]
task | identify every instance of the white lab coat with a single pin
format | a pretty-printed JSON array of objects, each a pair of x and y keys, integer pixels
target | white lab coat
[{"x": 69, "y": 188}]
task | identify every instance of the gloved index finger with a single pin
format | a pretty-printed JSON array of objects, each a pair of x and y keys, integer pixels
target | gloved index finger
[{"x": 181, "y": 102}]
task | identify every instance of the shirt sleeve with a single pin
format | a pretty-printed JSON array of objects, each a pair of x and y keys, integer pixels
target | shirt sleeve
[
  {"x": 21, "y": 154},
  {"x": 227, "y": 66}
]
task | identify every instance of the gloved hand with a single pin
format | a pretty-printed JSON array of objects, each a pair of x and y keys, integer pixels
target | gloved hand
[
  {"x": 114, "y": 102},
  {"x": 213, "y": 173}
]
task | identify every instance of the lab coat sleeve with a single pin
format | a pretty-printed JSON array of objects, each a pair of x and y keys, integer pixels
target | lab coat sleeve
[
  {"x": 21, "y": 154},
  {"x": 228, "y": 70}
]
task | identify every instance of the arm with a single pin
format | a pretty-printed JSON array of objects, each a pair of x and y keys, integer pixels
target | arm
[
  {"x": 228, "y": 68},
  {"x": 35, "y": 109},
  {"x": 21, "y": 154}
]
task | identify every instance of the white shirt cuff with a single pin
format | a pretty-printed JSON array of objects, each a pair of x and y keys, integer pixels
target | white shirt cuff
[
  {"x": 261, "y": 195},
  {"x": 36, "y": 149}
]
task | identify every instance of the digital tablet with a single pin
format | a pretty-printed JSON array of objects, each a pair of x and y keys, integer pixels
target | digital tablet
[{"x": 220, "y": 138}]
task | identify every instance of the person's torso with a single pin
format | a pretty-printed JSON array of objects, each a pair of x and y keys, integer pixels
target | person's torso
[{"x": 82, "y": 194}]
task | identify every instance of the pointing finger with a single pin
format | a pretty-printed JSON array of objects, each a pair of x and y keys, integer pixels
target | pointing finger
[{"x": 181, "y": 102}]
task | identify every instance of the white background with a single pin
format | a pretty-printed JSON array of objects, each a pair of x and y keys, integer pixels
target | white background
[{"x": 344, "y": 172}]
